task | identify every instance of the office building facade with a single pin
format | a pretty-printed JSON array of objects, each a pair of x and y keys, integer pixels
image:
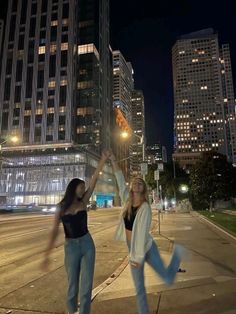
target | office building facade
[
  {"x": 138, "y": 128},
  {"x": 204, "y": 117},
  {"x": 55, "y": 89},
  {"x": 123, "y": 85}
]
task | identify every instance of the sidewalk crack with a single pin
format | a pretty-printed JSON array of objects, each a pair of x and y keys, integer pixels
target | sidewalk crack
[{"x": 158, "y": 304}]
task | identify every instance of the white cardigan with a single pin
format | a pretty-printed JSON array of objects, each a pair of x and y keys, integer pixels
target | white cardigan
[{"x": 141, "y": 240}]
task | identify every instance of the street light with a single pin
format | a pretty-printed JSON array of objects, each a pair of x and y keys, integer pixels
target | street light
[
  {"x": 13, "y": 139},
  {"x": 125, "y": 134},
  {"x": 183, "y": 188}
]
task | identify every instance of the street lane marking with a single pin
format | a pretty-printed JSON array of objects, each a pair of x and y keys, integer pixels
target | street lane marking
[{"x": 24, "y": 234}]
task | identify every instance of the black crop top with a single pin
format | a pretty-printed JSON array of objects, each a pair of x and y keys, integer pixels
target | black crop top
[
  {"x": 75, "y": 225},
  {"x": 129, "y": 222}
]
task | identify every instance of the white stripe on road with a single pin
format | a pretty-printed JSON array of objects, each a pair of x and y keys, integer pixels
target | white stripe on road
[{"x": 24, "y": 234}]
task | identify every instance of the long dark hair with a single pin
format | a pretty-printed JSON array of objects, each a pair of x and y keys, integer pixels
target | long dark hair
[{"x": 69, "y": 196}]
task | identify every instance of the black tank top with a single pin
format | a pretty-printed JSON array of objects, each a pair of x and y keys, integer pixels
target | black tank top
[
  {"x": 129, "y": 222},
  {"x": 75, "y": 225}
]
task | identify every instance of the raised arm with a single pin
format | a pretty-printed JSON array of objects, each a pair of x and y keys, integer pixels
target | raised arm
[
  {"x": 93, "y": 181},
  {"x": 123, "y": 189}
]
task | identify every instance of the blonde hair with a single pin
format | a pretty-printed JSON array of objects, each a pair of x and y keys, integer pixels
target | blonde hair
[{"x": 127, "y": 210}]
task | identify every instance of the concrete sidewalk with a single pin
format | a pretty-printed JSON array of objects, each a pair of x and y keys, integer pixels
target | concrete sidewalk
[{"x": 208, "y": 286}]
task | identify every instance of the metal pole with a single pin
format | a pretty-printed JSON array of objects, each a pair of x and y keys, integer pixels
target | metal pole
[
  {"x": 174, "y": 170},
  {"x": 143, "y": 148},
  {"x": 157, "y": 191}
]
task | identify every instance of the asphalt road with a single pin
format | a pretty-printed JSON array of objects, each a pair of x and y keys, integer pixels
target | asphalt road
[{"x": 23, "y": 286}]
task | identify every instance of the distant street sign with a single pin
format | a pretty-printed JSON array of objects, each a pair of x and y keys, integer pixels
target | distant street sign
[
  {"x": 156, "y": 175},
  {"x": 144, "y": 168},
  {"x": 160, "y": 167}
]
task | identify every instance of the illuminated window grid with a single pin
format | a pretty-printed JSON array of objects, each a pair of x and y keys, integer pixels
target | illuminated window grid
[
  {"x": 63, "y": 82},
  {"x": 62, "y": 109},
  {"x": 64, "y": 46},
  {"x": 42, "y": 50},
  {"x": 89, "y": 48},
  {"x": 84, "y": 111},
  {"x": 50, "y": 110},
  {"x": 51, "y": 84},
  {"x": 39, "y": 111},
  {"x": 54, "y": 23},
  {"x": 27, "y": 113},
  {"x": 85, "y": 84},
  {"x": 53, "y": 48}
]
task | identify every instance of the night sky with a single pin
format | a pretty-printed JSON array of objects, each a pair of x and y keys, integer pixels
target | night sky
[{"x": 145, "y": 31}]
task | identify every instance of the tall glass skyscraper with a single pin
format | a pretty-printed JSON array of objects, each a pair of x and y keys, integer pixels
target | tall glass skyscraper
[{"x": 55, "y": 91}]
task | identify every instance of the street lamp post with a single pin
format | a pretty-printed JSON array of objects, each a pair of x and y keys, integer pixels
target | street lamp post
[{"x": 141, "y": 138}]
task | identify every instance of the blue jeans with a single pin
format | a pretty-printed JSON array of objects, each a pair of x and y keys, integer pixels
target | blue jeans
[
  {"x": 79, "y": 264},
  {"x": 168, "y": 274}
]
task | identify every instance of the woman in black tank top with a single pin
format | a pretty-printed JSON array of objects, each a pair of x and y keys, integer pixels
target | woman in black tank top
[{"x": 79, "y": 246}]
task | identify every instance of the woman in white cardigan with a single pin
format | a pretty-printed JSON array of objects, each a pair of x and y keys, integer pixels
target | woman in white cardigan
[{"x": 134, "y": 227}]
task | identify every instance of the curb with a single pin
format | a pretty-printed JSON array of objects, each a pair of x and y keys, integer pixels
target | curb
[{"x": 216, "y": 226}]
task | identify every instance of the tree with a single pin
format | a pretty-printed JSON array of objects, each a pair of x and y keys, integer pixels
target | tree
[
  {"x": 212, "y": 178},
  {"x": 170, "y": 185}
]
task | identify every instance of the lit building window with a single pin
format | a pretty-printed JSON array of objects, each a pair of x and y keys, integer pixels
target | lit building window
[
  {"x": 54, "y": 23},
  {"x": 62, "y": 109},
  {"x": 225, "y": 99},
  {"x": 194, "y": 60},
  {"x": 90, "y": 48},
  {"x": 39, "y": 111},
  {"x": 64, "y": 46},
  {"x": 185, "y": 101},
  {"x": 63, "y": 82},
  {"x": 27, "y": 113},
  {"x": 203, "y": 87},
  {"x": 41, "y": 50},
  {"x": 53, "y": 48},
  {"x": 65, "y": 22},
  {"x": 51, "y": 84},
  {"x": 50, "y": 110},
  {"x": 84, "y": 111},
  {"x": 85, "y": 85},
  {"x": 81, "y": 130}
]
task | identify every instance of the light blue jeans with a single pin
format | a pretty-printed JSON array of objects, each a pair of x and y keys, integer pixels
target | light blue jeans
[
  {"x": 79, "y": 264},
  {"x": 168, "y": 274}
]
